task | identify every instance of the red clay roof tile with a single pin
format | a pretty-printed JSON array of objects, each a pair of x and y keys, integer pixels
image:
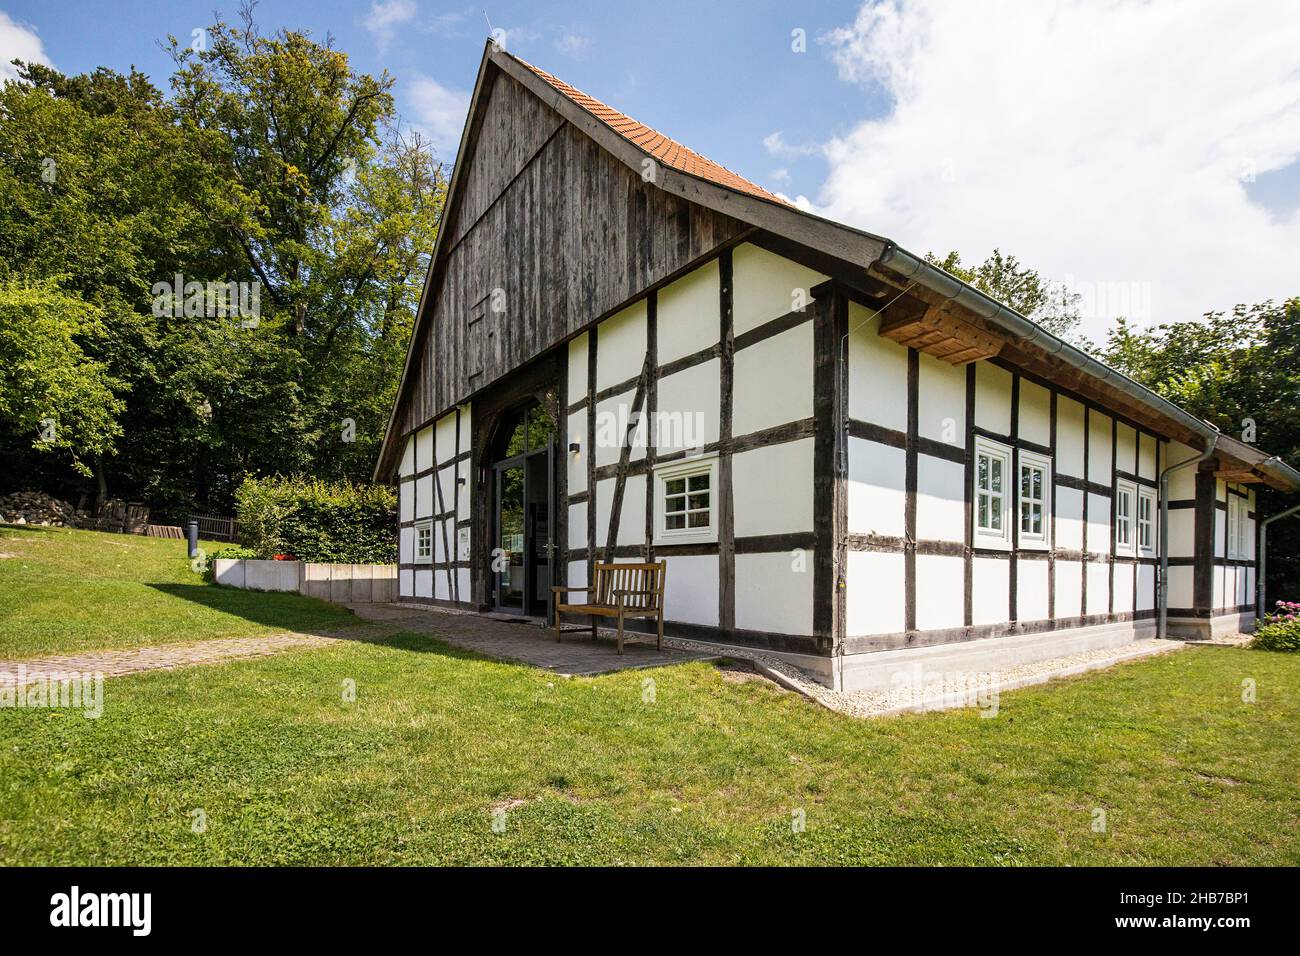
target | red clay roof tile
[{"x": 666, "y": 150}]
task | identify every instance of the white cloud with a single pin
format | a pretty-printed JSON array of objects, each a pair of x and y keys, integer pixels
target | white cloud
[
  {"x": 386, "y": 16},
  {"x": 1102, "y": 143},
  {"x": 18, "y": 41},
  {"x": 776, "y": 145},
  {"x": 438, "y": 111},
  {"x": 573, "y": 44}
]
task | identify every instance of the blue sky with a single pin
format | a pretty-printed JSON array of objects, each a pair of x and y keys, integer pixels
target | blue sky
[
  {"x": 718, "y": 76},
  {"x": 1093, "y": 139}
]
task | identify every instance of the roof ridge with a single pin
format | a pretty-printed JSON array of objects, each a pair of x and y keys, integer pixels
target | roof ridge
[{"x": 667, "y": 150}]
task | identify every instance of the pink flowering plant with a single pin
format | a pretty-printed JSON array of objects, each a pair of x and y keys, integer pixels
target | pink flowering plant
[{"x": 1280, "y": 630}]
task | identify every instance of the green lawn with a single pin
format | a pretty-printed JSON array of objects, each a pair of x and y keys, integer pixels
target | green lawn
[
  {"x": 286, "y": 771},
  {"x": 66, "y": 591}
]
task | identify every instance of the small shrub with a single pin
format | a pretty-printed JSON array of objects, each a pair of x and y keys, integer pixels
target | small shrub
[
  {"x": 314, "y": 520},
  {"x": 1279, "y": 631}
]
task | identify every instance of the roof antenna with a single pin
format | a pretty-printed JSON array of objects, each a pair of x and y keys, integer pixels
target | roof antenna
[{"x": 492, "y": 33}]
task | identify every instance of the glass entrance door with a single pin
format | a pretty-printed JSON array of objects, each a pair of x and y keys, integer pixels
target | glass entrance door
[
  {"x": 509, "y": 560},
  {"x": 523, "y": 545}
]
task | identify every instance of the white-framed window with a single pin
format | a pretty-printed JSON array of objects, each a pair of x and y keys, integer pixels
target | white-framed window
[
  {"x": 992, "y": 493},
  {"x": 424, "y": 542},
  {"x": 1034, "y": 487},
  {"x": 686, "y": 500},
  {"x": 1146, "y": 520},
  {"x": 1238, "y": 523},
  {"x": 1125, "y": 498}
]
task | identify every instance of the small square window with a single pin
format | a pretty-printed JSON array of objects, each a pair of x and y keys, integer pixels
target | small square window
[
  {"x": 684, "y": 500},
  {"x": 424, "y": 543}
]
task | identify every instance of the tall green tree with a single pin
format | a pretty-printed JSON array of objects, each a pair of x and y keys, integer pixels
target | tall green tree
[{"x": 1051, "y": 304}]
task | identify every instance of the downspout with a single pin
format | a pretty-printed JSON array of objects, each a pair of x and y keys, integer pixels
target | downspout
[
  {"x": 1263, "y": 558},
  {"x": 1162, "y": 619}
]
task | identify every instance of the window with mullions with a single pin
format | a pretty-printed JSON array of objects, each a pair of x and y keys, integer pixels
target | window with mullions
[
  {"x": 424, "y": 543},
  {"x": 1125, "y": 494},
  {"x": 1146, "y": 520},
  {"x": 1035, "y": 498},
  {"x": 992, "y": 493},
  {"x": 685, "y": 497}
]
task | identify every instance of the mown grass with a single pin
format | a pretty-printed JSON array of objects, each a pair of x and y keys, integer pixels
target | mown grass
[
  {"x": 286, "y": 771},
  {"x": 65, "y": 591}
]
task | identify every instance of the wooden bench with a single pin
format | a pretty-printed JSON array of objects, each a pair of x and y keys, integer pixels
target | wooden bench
[{"x": 621, "y": 591}]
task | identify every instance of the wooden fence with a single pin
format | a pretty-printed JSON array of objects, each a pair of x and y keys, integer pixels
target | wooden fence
[{"x": 216, "y": 528}]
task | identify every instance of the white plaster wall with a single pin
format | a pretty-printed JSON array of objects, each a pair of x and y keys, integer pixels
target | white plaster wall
[
  {"x": 407, "y": 467},
  {"x": 1069, "y": 518},
  {"x": 466, "y": 428},
  {"x": 877, "y": 373},
  {"x": 1098, "y": 588},
  {"x": 447, "y": 488},
  {"x": 424, "y": 449},
  {"x": 1099, "y": 450},
  {"x": 424, "y": 496},
  {"x": 620, "y": 346},
  {"x": 444, "y": 438},
  {"x": 1069, "y": 589},
  {"x": 1123, "y": 588},
  {"x": 406, "y": 546},
  {"x": 463, "y": 470},
  {"x": 1031, "y": 590},
  {"x": 773, "y": 381},
  {"x": 941, "y": 401},
  {"x": 1180, "y": 586},
  {"x": 631, "y": 524},
  {"x": 578, "y": 577},
  {"x": 875, "y": 490},
  {"x": 1098, "y": 524},
  {"x": 940, "y": 500},
  {"x": 1147, "y": 457},
  {"x": 688, "y": 316},
  {"x": 940, "y": 585},
  {"x": 772, "y": 488},
  {"x": 578, "y": 525},
  {"x": 406, "y": 583},
  {"x": 771, "y": 595},
  {"x": 577, "y": 369},
  {"x": 990, "y": 590},
  {"x": 874, "y": 603},
  {"x": 1146, "y": 587},
  {"x": 691, "y": 589},
  {"x": 1182, "y": 532},
  {"x": 463, "y": 583},
  {"x": 1217, "y": 590},
  {"x": 1182, "y": 483},
  {"x": 406, "y": 501},
  {"x": 1125, "y": 448},
  {"x": 688, "y": 403},
  {"x": 612, "y": 418},
  {"x": 1035, "y": 413},
  {"x": 424, "y": 582},
  {"x": 576, "y": 465},
  {"x": 993, "y": 399},
  {"x": 764, "y": 286},
  {"x": 1069, "y": 437},
  {"x": 442, "y": 585}
]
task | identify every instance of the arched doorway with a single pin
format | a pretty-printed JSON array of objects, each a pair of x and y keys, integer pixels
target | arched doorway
[{"x": 523, "y": 546}]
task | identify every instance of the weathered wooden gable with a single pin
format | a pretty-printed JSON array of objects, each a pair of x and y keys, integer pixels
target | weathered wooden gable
[{"x": 547, "y": 232}]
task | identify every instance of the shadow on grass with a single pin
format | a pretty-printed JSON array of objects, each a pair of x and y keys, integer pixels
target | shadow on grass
[{"x": 270, "y": 608}]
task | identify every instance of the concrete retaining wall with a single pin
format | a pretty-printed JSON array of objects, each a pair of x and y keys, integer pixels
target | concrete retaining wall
[{"x": 337, "y": 583}]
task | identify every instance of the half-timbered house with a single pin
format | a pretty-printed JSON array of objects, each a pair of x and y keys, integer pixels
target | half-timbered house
[{"x": 847, "y": 457}]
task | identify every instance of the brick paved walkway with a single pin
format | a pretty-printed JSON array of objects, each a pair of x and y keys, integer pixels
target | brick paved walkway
[
  {"x": 529, "y": 643},
  {"x": 133, "y": 660}
]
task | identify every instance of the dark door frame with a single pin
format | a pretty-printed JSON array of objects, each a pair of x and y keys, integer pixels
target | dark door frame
[{"x": 529, "y": 597}]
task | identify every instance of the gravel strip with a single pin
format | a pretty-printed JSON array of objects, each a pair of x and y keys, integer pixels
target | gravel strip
[{"x": 948, "y": 690}]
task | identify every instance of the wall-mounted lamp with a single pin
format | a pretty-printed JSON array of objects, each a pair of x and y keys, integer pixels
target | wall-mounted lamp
[{"x": 574, "y": 447}]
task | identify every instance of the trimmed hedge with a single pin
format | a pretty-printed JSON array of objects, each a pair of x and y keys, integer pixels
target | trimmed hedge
[
  {"x": 1279, "y": 631},
  {"x": 314, "y": 520}
]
